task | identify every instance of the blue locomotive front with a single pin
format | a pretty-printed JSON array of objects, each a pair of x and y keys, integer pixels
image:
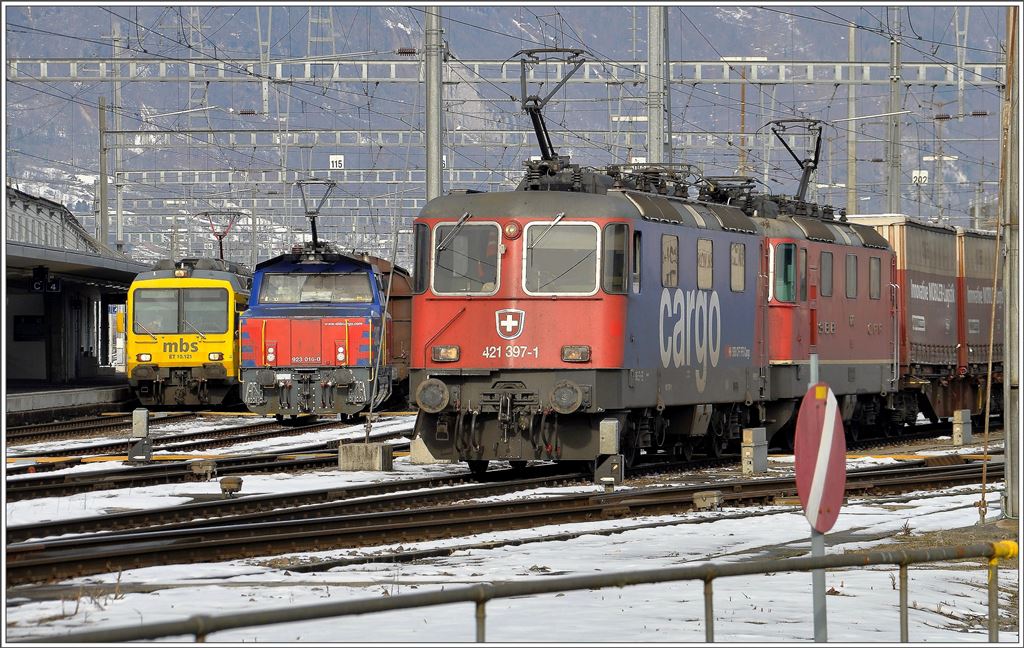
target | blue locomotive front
[{"x": 314, "y": 339}]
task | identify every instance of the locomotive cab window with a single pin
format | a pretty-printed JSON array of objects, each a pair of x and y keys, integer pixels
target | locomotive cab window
[
  {"x": 705, "y": 263},
  {"x": 204, "y": 310},
  {"x": 737, "y": 267},
  {"x": 560, "y": 258},
  {"x": 613, "y": 258},
  {"x": 785, "y": 272},
  {"x": 851, "y": 276},
  {"x": 327, "y": 288},
  {"x": 669, "y": 261},
  {"x": 155, "y": 311},
  {"x": 466, "y": 258},
  {"x": 180, "y": 310},
  {"x": 825, "y": 274},
  {"x": 875, "y": 278}
]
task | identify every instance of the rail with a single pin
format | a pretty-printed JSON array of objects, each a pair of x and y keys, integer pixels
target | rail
[{"x": 201, "y": 626}]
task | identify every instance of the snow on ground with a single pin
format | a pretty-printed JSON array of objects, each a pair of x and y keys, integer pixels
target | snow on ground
[
  {"x": 143, "y": 497},
  {"x": 948, "y": 601}
]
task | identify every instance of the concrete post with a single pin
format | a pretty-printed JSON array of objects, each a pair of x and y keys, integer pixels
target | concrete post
[
  {"x": 140, "y": 446},
  {"x": 962, "y": 427},
  {"x": 656, "y": 84},
  {"x": 851, "y": 134},
  {"x": 419, "y": 454},
  {"x": 365, "y": 456},
  {"x": 104, "y": 216},
  {"x": 754, "y": 451},
  {"x": 434, "y": 60},
  {"x": 894, "y": 150}
]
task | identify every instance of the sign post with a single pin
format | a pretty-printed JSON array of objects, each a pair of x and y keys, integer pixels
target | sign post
[{"x": 820, "y": 464}]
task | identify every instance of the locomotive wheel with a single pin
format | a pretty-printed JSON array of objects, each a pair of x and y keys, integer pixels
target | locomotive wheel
[
  {"x": 713, "y": 446},
  {"x": 478, "y": 467},
  {"x": 852, "y": 432},
  {"x": 685, "y": 449}
]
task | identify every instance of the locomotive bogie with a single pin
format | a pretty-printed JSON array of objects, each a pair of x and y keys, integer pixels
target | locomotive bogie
[
  {"x": 324, "y": 391},
  {"x": 202, "y": 385}
]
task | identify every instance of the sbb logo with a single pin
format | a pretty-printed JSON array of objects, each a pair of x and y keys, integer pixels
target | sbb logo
[{"x": 690, "y": 330}]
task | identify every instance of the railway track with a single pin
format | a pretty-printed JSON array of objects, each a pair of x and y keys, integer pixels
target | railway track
[
  {"x": 59, "y": 559},
  {"x": 310, "y": 457},
  {"x": 79, "y": 428},
  {"x": 355, "y": 498},
  {"x": 185, "y": 442}
]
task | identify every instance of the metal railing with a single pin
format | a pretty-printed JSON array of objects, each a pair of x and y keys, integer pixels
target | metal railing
[{"x": 202, "y": 625}]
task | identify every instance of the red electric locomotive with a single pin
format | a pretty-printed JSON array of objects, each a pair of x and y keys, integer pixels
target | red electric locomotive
[{"x": 606, "y": 317}]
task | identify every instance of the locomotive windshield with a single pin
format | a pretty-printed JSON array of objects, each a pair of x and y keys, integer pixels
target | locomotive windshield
[
  {"x": 468, "y": 261},
  {"x": 561, "y": 258},
  {"x": 180, "y": 310},
  {"x": 316, "y": 288}
]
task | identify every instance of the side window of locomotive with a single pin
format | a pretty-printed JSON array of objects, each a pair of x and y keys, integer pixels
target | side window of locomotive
[
  {"x": 204, "y": 310},
  {"x": 851, "y": 276},
  {"x": 803, "y": 274},
  {"x": 466, "y": 258},
  {"x": 613, "y": 257},
  {"x": 561, "y": 258},
  {"x": 669, "y": 261},
  {"x": 785, "y": 272},
  {"x": 875, "y": 278},
  {"x": 737, "y": 267},
  {"x": 825, "y": 275},
  {"x": 637, "y": 258},
  {"x": 421, "y": 264},
  {"x": 705, "y": 264}
]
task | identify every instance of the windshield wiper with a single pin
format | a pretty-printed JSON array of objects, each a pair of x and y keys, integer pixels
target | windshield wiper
[
  {"x": 559, "y": 216},
  {"x": 458, "y": 225},
  {"x": 143, "y": 327},
  {"x": 192, "y": 326}
]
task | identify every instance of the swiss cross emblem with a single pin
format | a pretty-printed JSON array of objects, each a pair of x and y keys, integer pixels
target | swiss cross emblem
[{"x": 509, "y": 322}]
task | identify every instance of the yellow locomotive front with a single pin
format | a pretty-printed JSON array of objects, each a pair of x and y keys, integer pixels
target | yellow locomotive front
[{"x": 182, "y": 332}]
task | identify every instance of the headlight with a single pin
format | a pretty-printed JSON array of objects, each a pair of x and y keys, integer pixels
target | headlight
[
  {"x": 513, "y": 230},
  {"x": 445, "y": 353},
  {"x": 144, "y": 357},
  {"x": 432, "y": 396},
  {"x": 566, "y": 397},
  {"x": 216, "y": 356},
  {"x": 576, "y": 353},
  {"x": 271, "y": 356}
]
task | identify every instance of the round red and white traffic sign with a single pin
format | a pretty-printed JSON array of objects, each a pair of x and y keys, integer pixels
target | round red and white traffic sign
[{"x": 820, "y": 455}]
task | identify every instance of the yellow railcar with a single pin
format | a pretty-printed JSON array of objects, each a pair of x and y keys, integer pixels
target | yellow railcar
[{"x": 182, "y": 332}]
